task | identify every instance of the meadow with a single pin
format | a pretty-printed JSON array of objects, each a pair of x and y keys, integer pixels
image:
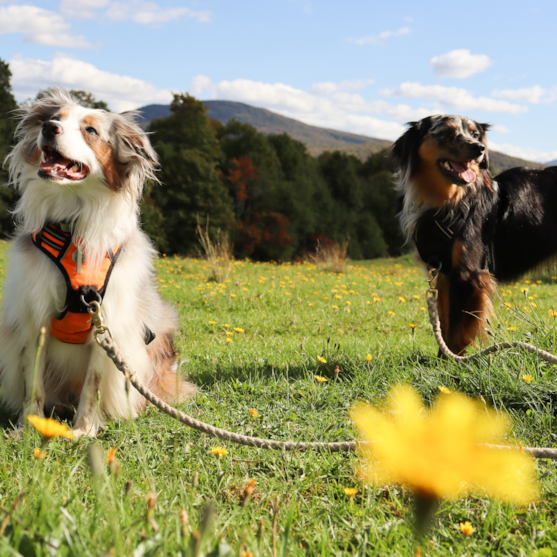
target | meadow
[{"x": 282, "y": 352}]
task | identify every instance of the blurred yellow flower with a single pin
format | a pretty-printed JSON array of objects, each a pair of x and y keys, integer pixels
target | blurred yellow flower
[
  {"x": 527, "y": 378},
  {"x": 445, "y": 390},
  {"x": 412, "y": 325},
  {"x": 219, "y": 451},
  {"x": 369, "y": 357},
  {"x": 320, "y": 379},
  {"x": 401, "y": 299},
  {"x": 334, "y": 307},
  {"x": 350, "y": 491},
  {"x": 50, "y": 428},
  {"x": 39, "y": 453},
  {"x": 466, "y": 528},
  {"x": 229, "y": 340},
  {"x": 321, "y": 360},
  {"x": 212, "y": 322},
  {"x": 110, "y": 455},
  {"x": 391, "y": 313},
  {"x": 253, "y": 413},
  {"x": 438, "y": 452},
  {"x": 524, "y": 290}
]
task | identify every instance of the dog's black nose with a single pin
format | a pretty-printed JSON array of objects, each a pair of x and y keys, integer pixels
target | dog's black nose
[
  {"x": 478, "y": 149},
  {"x": 51, "y": 129}
]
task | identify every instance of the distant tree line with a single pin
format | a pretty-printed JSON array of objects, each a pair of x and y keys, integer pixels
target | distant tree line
[{"x": 275, "y": 200}]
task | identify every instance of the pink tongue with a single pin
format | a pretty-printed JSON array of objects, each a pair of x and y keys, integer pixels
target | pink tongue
[
  {"x": 54, "y": 161},
  {"x": 467, "y": 174}
]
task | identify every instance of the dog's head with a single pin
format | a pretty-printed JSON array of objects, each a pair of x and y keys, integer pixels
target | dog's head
[
  {"x": 63, "y": 145},
  {"x": 439, "y": 156}
]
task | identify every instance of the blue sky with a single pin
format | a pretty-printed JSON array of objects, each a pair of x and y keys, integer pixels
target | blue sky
[{"x": 358, "y": 65}]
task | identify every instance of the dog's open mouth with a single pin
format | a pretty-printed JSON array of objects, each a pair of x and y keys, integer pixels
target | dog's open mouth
[
  {"x": 54, "y": 166},
  {"x": 461, "y": 169}
]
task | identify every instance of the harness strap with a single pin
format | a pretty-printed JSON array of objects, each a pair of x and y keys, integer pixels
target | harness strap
[{"x": 83, "y": 284}]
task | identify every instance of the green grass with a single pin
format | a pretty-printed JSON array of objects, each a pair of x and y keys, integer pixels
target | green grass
[{"x": 54, "y": 506}]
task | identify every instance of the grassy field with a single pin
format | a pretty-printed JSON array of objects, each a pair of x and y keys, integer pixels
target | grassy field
[{"x": 252, "y": 343}]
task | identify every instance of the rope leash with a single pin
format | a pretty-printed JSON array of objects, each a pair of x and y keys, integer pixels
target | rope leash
[{"x": 107, "y": 344}]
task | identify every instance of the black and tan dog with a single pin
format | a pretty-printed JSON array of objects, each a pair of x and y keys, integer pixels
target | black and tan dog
[{"x": 476, "y": 228}]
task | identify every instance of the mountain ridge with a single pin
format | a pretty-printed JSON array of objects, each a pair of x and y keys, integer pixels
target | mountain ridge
[{"x": 316, "y": 139}]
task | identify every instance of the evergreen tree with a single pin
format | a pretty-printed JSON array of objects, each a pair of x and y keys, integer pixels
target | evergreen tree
[
  {"x": 189, "y": 153},
  {"x": 7, "y": 128},
  {"x": 86, "y": 99}
]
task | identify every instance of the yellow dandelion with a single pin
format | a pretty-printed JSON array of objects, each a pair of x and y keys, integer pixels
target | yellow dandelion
[
  {"x": 444, "y": 390},
  {"x": 412, "y": 325},
  {"x": 369, "y": 357},
  {"x": 376, "y": 300},
  {"x": 350, "y": 492},
  {"x": 334, "y": 307},
  {"x": 39, "y": 453},
  {"x": 50, "y": 428},
  {"x": 401, "y": 300},
  {"x": 320, "y": 379},
  {"x": 524, "y": 290},
  {"x": 253, "y": 413},
  {"x": 229, "y": 340},
  {"x": 466, "y": 528},
  {"x": 226, "y": 325},
  {"x": 321, "y": 360},
  {"x": 238, "y": 329},
  {"x": 439, "y": 453},
  {"x": 212, "y": 322},
  {"x": 229, "y": 333},
  {"x": 110, "y": 455},
  {"x": 219, "y": 451},
  {"x": 527, "y": 377},
  {"x": 391, "y": 313},
  {"x": 511, "y": 328},
  {"x": 422, "y": 309}
]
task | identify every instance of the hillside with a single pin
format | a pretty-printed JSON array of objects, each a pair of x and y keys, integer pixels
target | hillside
[{"x": 316, "y": 139}]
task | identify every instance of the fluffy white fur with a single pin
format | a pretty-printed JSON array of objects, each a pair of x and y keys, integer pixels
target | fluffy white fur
[{"x": 103, "y": 211}]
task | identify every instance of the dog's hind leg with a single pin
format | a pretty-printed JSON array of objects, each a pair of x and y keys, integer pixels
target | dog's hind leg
[{"x": 471, "y": 306}]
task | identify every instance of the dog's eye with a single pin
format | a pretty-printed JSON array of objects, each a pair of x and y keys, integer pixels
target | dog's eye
[
  {"x": 55, "y": 118},
  {"x": 476, "y": 135},
  {"x": 91, "y": 130}
]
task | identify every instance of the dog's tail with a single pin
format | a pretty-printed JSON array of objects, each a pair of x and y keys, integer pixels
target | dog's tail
[{"x": 165, "y": 381}]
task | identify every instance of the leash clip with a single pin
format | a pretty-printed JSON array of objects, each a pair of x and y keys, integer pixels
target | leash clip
[
  {"x": 433, "y": 274},
  {"x": 97, "y": 319}
]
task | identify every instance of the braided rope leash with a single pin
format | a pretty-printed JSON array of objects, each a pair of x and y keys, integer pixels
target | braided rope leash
[{"x": 107, "y": 344}]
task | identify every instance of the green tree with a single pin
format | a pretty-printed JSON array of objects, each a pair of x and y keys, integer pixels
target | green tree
[
  {"x": 7, "y": 128},
  {"x": 86, "y": 99},
  {"x": 189, "y": 153}
]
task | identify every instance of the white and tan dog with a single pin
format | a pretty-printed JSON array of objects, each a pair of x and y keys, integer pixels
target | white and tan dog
[{"x": 80, "y": 173}]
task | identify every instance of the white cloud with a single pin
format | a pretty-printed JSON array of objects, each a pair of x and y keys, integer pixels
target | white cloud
[
  {"x": 328, "y": 87},
  {"x": 459, "y": 63},
  {"x": 453, "y": 97},
  {"x": 499, "y": 128},
  {"x": 82, "y": 9},
  {"x": 341, "y": 110},
  {"x": 148, "y": 13},
  {"x": 532, "y": 95},
  {"x": 374, "y": 39},
  {"x": 524, "y": 153},
  {"x": 121, "y": 92},
  {"x": 39, "y": 26}
]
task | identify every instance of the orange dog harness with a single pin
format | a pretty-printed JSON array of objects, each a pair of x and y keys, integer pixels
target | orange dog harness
[{"x": 83, "y": 284}]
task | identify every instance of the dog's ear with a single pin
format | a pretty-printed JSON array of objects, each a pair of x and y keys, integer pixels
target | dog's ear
[
  {"x": 485, "y": 162},
  {"x": 404, "y": 151},
  {"x": 134, "y": 153}
]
